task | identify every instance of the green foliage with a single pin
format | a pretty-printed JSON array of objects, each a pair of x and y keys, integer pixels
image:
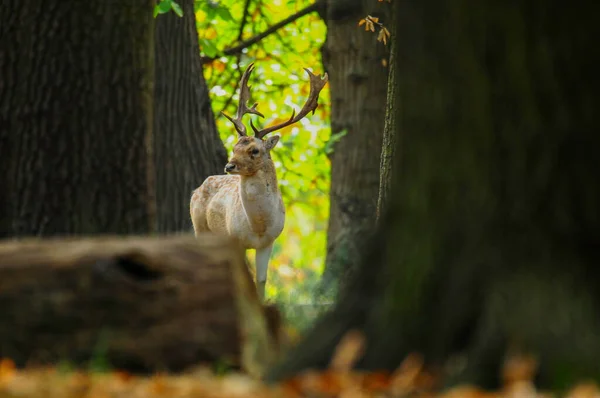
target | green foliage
[
  {"x": 279, "y": 84},
  {"x": 167, "y": 5}
]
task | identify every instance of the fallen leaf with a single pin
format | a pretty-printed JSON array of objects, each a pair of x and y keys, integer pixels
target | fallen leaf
[
  {"x": 7, "y": 370},
  {"x": 584, "y": 390},
  {"x": 348, "y": 351}
]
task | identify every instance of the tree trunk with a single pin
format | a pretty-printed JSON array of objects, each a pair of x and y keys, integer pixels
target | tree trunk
[
  {"x": 141, "y": 304},
  {"x": 490, "y": 242},
  {"x": 388, "y": 147},
  {"x": 187, "y": 145},
  {"x": 75, "y": 117},
  {"x": 358, "y": 78}
]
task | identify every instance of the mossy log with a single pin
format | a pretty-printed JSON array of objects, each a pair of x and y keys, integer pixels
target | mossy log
[{"x": 142, "y": 304}]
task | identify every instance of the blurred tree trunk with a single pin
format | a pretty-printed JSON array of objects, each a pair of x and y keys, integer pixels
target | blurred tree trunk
[
  {"x": 187, "y": 145},
  {"x": 358, "y": 80},
  {"x": 490, "y": 244},
  {"x": 76, "y": 117}
]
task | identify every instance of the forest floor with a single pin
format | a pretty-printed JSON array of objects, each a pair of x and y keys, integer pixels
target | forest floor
[{"x": 410, "y": 379}]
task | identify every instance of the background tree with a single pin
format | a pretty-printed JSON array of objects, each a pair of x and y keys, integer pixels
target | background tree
[
  {"x": 76, "y": 139},
  {"x": 490, "y": 242},
  {"x": 187, "y": 144},
  {"x": 357, "y": 64}
]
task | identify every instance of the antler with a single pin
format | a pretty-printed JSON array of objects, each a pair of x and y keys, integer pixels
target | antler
[
  {"x": 242, "y": 106},
  {"x": 316, "y": 85}
]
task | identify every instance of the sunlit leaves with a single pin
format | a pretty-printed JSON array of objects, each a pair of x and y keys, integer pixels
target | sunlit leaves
[
  {"x": 213, "y": 10},
  {"x": 279, "y": 85}
]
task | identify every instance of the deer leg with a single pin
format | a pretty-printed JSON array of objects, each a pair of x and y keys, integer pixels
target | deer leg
[{"x": 262, "y": 264}]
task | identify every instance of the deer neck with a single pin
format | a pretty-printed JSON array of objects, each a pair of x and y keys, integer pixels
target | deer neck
[{"x": 260, "y": 197}]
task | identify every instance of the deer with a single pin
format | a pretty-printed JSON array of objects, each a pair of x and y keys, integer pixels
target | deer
[{"x": 245, "y": 203}]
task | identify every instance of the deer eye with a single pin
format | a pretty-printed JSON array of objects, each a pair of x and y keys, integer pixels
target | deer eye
[{"x": 255, "y": 151}]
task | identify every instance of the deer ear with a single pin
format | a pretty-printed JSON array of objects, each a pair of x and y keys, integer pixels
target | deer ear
[{"x": 271, "y": 142}]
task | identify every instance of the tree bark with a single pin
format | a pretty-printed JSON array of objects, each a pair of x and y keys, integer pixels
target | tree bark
[
  {"x": 489, "y": 245},
  {"x": 76, "y": 117},
  {"x": 187, "y": 144},
  {"x": 388, "y": 147},
  {"x": 141, "y": 304},
  {"x": 358, "y": 80}
]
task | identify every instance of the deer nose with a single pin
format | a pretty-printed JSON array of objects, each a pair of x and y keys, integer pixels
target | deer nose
[{"x": 229, "y": 167}]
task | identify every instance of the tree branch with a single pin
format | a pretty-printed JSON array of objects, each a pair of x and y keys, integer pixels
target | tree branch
[
  {"x": 253, "y": 40},
  {"x": 244, "y": 18}
]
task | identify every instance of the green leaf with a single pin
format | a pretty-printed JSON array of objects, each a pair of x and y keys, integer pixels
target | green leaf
[
  {"x": 163, "y": 7},
  {"x": 208, "y": 47},
  {"x": 177, "y": 9},
  {"x": 224, "y": 13},
  {"x": 211, "y": 12}
]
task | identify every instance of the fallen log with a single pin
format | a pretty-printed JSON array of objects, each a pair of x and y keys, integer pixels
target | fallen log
[{"x": 143, "y": 304}]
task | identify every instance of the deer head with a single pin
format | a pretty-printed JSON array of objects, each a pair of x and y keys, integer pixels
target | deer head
[{"x": 250, "y": 153}]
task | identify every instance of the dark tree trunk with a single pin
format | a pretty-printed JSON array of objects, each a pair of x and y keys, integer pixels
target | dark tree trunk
[
  {"x": 140, "y": 304},
  {"x": 358, "y": 79},
  {"x": 76, "y": 117},
  {"x": 186, "y": 142},
  {"x": 491, "y": 240},
  {"x": 388, "y": 147}
]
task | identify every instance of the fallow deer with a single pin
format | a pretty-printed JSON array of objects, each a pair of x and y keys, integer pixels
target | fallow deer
[{"x": 246, "y": 204}]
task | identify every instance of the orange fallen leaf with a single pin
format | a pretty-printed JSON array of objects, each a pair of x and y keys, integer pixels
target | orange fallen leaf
[
  {"x": 348, "y": 351},
  {"x": 7, "y": 370},
  {"x": 468, "y": 392},
  {"x": 123, "y": 376},
  {"x": 404, "y": 378},
  {"x": 519, "y": 368},
  {"x": 377, "y": 381},
  {"x": 584, "y": 390}
]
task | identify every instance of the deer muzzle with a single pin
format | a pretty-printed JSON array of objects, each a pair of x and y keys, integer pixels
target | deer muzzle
[{"x": 229, "y": 167}]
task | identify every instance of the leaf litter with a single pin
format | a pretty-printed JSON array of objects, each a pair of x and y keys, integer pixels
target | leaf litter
[{"x": 410, "y": 379}]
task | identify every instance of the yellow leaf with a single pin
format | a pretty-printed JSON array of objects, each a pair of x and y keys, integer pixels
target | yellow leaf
[
  {"x": 210, "y": 33},
  {"x": 200, "y": 16},
  {"x": 305, "y": 90},
  {"x": 278, "y": 120},
  {"x": 208, "y": 69},
  {"x": 384, "y": 62},
  {"x": 219, "y": 66},
  {"x": 374, "y": 19},
  {"x": 362, "y": 22},
  {"x": 383, "y": 35}
]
